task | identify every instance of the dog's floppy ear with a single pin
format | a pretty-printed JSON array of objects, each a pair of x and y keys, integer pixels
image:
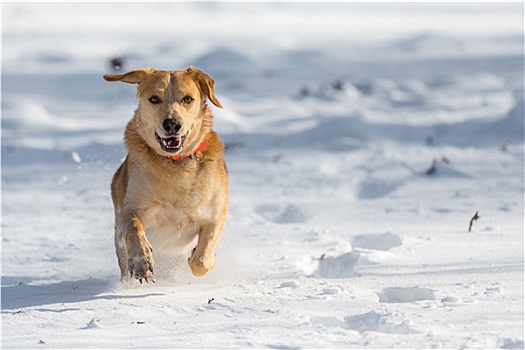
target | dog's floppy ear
[
  {"x": 206, "y": 84},
  {"x": 133, "y": 77}
]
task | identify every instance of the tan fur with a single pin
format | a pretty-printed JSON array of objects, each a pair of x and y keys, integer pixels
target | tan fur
[{"x": 163, "y": 204}]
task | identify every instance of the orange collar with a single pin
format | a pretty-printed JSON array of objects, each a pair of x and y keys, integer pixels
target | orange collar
[{"x": 202, "y": 146}]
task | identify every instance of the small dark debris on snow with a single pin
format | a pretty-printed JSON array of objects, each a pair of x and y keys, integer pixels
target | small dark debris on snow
[
  {"x": 323, "y": 256},
  {"x": 339, "y": 84},
  {"x": 41, "y": 341},
  {"x": 117, "y": 63},
  {"x": 433, "y": 168},
  {"x": 210, "y": 300},
  {"x": 305, "y": 91},
  {"x": 139, "y": 322}
]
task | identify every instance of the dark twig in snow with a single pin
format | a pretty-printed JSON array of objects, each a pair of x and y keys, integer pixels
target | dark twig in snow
[{"x": 473, "y": 220}]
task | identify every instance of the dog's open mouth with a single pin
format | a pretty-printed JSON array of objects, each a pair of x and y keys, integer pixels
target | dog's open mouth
[{"x": 171, "y": 144}]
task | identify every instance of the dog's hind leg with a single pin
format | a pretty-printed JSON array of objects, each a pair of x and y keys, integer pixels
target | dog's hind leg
[
  {"x": 122, "y": 256},
  {"x": 118, "y": 193}
]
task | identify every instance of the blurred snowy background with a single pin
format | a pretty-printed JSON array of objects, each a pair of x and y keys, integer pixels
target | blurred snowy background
[{"x": 362, "y": 138}]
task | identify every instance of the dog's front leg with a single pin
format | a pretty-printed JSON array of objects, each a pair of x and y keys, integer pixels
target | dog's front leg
[
  {"x": 140, "y": 262},
  {"x": 202, "y": 257}
]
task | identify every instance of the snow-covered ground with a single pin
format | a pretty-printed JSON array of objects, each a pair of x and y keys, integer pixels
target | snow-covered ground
[{"x": 362, "y": 139}]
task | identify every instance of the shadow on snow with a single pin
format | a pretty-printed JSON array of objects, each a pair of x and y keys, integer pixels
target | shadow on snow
[{"x": 23, "y": 295}]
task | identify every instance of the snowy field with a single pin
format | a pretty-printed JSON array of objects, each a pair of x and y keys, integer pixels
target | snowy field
[{"x": 362, "y": 139}]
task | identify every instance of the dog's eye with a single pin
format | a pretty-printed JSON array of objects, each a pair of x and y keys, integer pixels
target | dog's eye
[
  {"x": 155, "y": 100},
  {"x": 187, "y": 100}
]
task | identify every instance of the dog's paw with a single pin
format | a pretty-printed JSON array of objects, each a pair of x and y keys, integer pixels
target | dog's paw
[
  {"x": 141, "y": 267},
  {"x": 201, "y": 265}
]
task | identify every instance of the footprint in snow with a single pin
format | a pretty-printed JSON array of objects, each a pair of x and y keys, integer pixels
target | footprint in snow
[
  {"x": 290, "y": 284},
  {"x": 373, "y": 321},
  {"x": 509, "y": 343},
  {"x": 452, "y": 300},
  {"x": 493, "y": 289},
  {"x": 338, "y": 267},
  {"x": 405, "y": 295},
  {"x": 383, "y": 241},
  {"x": 379, "y": 322},
  {"x": 371, "y": 188},
  {"x": 282, "y": 214}
]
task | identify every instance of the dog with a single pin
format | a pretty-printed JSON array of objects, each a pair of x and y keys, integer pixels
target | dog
[{"x": 172, "y": 188}]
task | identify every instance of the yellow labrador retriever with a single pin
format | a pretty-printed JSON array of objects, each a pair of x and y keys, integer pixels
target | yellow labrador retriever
[{"x": 172, "y": 188}]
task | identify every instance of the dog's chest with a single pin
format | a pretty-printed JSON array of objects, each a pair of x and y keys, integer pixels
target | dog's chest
[{"x": 171, "y": 225}]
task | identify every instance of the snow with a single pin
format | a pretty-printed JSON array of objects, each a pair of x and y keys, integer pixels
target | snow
[{"x": 362, "y": 138}]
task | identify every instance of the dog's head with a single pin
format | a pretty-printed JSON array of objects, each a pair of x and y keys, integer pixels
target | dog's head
[{"x": 172, "y": 116}]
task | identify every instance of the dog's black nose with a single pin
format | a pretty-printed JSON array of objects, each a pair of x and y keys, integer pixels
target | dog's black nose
[{"x": 171, "y": 126}]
